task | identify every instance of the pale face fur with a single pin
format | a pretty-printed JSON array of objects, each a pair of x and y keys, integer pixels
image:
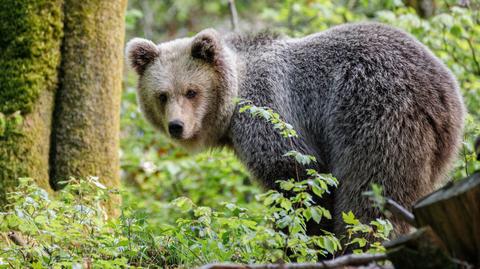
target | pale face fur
[
  {"x": 173, "y": 74},
  {"x": 176, "y": 87}
]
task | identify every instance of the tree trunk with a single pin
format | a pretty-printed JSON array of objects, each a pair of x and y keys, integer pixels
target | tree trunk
[
  {"x": 86, "y": 122},
  {"x": 82, "y": 137},
  {"x": 31, "y": 32},
  {"x": 424, "y": 8}
]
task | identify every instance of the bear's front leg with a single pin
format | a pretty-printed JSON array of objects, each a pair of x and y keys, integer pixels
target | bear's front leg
[{"x": 262, "y": 149}]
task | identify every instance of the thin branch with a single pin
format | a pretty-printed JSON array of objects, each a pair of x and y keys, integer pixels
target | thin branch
[
  {"x": 465, "y": 157},
  {"x": 347, "y": 260},
  {"x": 400, "y": 212},
  {"x": 463, "y": 264},
  {"x": 233, "y": 15},
  {"x": 464, "y": 3},
  {"x": 17, "y": 239},
  {"x": 474, "y": 56},
  {"x": 446, "y": 46},
  {"x": 477, "y": 148}
]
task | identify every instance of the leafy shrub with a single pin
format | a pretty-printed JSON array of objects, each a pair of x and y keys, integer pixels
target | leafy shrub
[
  {"x": 70, "y": 229},
  {"x": 73, "y": 229}
]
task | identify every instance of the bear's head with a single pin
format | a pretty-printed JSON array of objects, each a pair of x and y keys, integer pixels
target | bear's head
[{"x": 186, "y": 87}]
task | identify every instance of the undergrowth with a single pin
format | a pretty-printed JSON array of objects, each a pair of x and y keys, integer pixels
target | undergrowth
[{"x": 72, "y": 229}]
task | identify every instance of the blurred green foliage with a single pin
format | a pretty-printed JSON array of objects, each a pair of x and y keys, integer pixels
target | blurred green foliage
[{"x": 181, "y": 211}]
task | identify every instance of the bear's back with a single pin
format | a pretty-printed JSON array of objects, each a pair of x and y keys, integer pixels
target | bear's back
[{"x": 367, "y": 69}]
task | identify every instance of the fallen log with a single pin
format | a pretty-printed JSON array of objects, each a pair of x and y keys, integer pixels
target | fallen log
[
  {"x": 340, "y": 262},
  {"x": 421, "y": 249},
  {"x": 453, "y": 213}
]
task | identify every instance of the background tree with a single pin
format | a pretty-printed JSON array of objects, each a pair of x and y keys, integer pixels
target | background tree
[
  {"x": 86, "y": 121},
  {"x": 83, "y": 94},
  {"x": 29, "y": 58}
]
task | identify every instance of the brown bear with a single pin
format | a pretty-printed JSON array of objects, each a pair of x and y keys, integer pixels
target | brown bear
[{"x": 369, "y": 101}]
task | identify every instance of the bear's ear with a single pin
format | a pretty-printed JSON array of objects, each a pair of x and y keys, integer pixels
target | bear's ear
[
  {"x": 206, "y": 46},
  {"x": 140, "y": 53}
]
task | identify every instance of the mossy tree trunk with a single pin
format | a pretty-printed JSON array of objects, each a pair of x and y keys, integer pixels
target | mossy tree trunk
[
  {"x": 31, "y": 33},
  {"x": 82, "y": 90},
  {"x": 86, "y": 121}
]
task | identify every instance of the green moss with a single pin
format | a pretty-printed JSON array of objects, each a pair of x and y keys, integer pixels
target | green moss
[
  {"x": 29, "y": 46},
  {"x": 30, "y": 40}
]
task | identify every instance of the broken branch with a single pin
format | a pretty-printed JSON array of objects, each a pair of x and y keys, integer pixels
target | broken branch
[
  {"x": 400, "y": 212},
  {"x": 233, "y": 15},
  {"x": 346, "y": 260}
]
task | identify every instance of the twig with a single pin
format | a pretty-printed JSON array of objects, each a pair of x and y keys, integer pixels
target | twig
[
  {"x": 463, "y": 264},
  {"x": 474, "y": 56},
  {"x": 233, "y": 15},
  {"x": 17, "y": 239},
  {"x": 347, "y": 260},
  {"x": 446, "y": 46},
  {"x": 477, "y": 148},
  {"x": 400, "y": 211},
  {"x": 464, "y": 3},
  {"x": 465, "y": 157}
]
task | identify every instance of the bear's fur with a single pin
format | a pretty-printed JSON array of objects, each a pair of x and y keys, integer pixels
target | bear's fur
[{"x": 370, "y": 102}]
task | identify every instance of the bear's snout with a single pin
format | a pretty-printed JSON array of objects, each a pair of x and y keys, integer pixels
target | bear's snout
[{"x": 175, "y": 129}]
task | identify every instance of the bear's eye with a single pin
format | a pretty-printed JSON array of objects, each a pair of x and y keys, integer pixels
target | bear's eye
[
  {"x": 191, "y": 94},
  {"x": 162, "y": 97}
]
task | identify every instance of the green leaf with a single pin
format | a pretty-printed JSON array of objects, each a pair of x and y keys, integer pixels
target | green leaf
[
  {"x": 184, "y": 203},
  {"x": 329, "y": 245},
  {"x": 3, "y": 124},
  {"x": 317, "y": 191},
  {"x": 316, "y": 213},
  {"x": 244, "y": 108},
  {"x": 307, "y": 214},
  {"x": 284, "y": 222},
  {"x": 326, "y": 213},
  {"x": 349, "y": 218},
  {"x": 286, "y": 204},
  {"x": 37, "y": 265},
  {"x": 360, "y": 241},
  {"x": 286, "y": 185},
  {"x": 41, "y": 220},
  {"x": 456, "y": 30},
  {"x": 123, "y": 243}
]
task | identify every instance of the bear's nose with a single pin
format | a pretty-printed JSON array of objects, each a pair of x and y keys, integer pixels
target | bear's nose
[{"x": 175, "y": 128}]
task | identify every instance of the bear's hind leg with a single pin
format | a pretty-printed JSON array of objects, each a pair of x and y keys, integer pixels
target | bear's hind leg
[{"x": 398, "y": 157}]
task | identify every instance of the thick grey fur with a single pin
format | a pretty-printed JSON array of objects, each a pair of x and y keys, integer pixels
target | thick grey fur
[{"x": 369, "y": 101}]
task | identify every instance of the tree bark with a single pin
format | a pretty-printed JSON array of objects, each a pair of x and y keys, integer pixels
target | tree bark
[
  {"x": 86, "y": 123},
  {"x": 421, "y": 249},
  {"x": 31, "y": 32},
  {"x": 424, "y": 8},
  {"x": 339, "y": 262},
  {"x": 453, "y": 212}
]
